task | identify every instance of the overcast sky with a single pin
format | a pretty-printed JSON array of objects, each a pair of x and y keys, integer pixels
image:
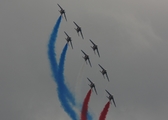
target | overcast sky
[{"x": 132, "y": 40}]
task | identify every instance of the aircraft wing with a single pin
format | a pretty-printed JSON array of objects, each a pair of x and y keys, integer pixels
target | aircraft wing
[
  {"x": 66, "y": 34},
  {"x": 81, "y": 34},
  {"x": 59, "y": 6},
  {"x": 75, "y": 24},
  {"x": 83, "y": 52},
  {"x": 89, "y": 80},
  {"x": 108, "y": 92},
  {"x": 95, "y": 90},
  {"x": 89, "y": 62},
  {"x": 107, "y": 77},
  {"x": 91, "y": 41},
  {"x": 65, "y": 16},
  {"x": 101, "y": 66},
  {"x": 71, "y": 44},
  {"x": 114, "y": 102},
  {"x": 98, "y": 52}
]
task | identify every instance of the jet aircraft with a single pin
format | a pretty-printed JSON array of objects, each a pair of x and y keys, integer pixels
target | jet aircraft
[
  {"x": 104, "y": 72},
  {"x": 68, "y": 39},
  {"x": 86, "y": 57},
  {"x": 95, "y": 47},
  {"x": 110, "y": 97},
  {"x": 78, "y": 29},
  {"x": 92, "y": 85},
  {"x": 62, "y": 11}
]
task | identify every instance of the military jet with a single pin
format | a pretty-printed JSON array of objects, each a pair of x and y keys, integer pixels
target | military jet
[
  {"x": 78, "y": 29},
  {"x": 110, "y": 97},
  {"x": 92, "y": 85},
  {"x": 95, "y": 47},
  {"x": 62, "y": 11},
  {"x": 86, "y": 57},
  {"x": 104, "y": 72},
  {"x": 68, "y": 39}
]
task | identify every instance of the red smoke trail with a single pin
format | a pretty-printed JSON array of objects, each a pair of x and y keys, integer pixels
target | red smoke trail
[
  {"x": 85, "y": 106},
  {"x": 104, "y": 112}
]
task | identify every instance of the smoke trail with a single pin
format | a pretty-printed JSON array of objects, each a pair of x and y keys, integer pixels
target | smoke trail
[
  {"x": 62, "y": 59},
  {"x": 61, "y": 79},
  {"x": 89, "y": 116},
  {"x": 67, "y": 95},
  {"x": 79, "y": 82},
  {"x": 104, "y": 112},
  {"x": 61, "y": 89},
  {"x": 85, "y": 106},
  {"x": 64, "y": 101},
  {"x": 78, "y": 88},
  {"x": 52, "y": 40}
]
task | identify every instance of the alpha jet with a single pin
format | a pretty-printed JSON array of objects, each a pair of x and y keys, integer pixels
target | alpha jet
[
  {"x": 110, "y": 97},
  {"x": 68, "y": 39},
  {"x": 95, "y": 47},
  {"x": 104, "y": 72},
  {"x": 92, "y": 85},
  {"x": 86, "y": 57},
  {"x": 78, "y": 29},
  {"x": 62, "y": 11}
]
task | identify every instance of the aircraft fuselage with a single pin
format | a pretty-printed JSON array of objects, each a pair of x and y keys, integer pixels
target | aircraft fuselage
[
  {"x": 62, "y": 11},
  {"x": 94, "y": 47},
  {"x": 104, "y": 72},
  {"x": 110, "y": 98},
  {"x": 86, "y": 57},
  {"x": 92, "y": 85},
  {"x": 78, "y": 29},
  {"x": 68, "y": 39}
]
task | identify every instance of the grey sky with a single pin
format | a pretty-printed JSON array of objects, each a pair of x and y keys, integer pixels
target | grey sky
[{"x": 132, "y": 40}]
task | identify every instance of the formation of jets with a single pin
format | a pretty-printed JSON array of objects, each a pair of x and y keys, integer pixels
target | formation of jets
[{"x": 86, "y": 56}]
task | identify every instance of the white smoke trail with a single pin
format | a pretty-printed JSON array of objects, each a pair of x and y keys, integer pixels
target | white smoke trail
[{"x": 79, "y": 83}]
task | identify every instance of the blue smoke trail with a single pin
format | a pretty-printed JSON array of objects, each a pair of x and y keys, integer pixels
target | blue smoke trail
[
  {"x": 62, "y": 59},
  {"x": 61, "y": 89},
  {"x": 67, "y": 95},
  {"x": 64, "y": 102},
  {"x": 61, "y": 75},
  {"x": 89, "y": 117},
  {"x": 52, "y": 40}
]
